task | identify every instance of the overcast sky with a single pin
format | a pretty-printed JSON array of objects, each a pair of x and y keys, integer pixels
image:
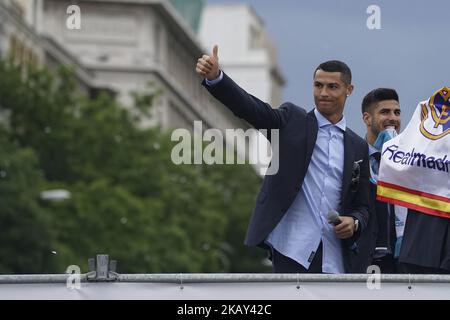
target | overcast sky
[{"x": 411, "y": 53}]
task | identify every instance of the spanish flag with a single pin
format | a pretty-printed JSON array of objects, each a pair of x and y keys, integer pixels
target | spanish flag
[{"x": 415, "y": 165}]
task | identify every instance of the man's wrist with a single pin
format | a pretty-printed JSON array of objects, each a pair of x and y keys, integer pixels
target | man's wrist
[{"x": 216, "y": 80}]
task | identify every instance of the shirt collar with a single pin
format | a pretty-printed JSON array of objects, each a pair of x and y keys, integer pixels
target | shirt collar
[
  {"x": 322, "y": 121},
  {"x": 372, "y": 149}
]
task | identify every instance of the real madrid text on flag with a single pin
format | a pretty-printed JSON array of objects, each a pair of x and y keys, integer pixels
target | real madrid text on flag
[{"x": 415, "y": 166}]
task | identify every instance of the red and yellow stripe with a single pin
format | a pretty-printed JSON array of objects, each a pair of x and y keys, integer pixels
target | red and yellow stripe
[{"x": 417, "y": 200}]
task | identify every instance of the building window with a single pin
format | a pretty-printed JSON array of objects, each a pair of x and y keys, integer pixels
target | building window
[
  {"x": 158, "y": 43},
  {"x": 15, "y": 49},
  {"x": 22, "y": 54}
]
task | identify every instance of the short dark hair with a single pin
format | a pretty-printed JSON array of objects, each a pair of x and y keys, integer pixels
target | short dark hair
[
  {"x": 377, "y": 95},
  {"x": 336, "y": 66}
]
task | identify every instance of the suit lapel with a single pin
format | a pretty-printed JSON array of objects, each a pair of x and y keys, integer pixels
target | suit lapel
[
  {"x": 349, "y": 158},
  {"x": 311, "y": 136}
]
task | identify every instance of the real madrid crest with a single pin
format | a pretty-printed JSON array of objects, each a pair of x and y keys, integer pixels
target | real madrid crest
[{"x": 435, "y": 117}]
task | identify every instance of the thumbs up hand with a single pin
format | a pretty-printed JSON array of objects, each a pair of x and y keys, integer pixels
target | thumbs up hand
[{"x": 208, "y": 66}]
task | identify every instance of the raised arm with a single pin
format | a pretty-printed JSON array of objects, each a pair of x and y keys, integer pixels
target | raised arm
[{"x": 256, "y": 112}]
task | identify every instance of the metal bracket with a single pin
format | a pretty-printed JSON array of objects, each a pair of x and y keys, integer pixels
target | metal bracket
[{"x": 102, "y": 269}]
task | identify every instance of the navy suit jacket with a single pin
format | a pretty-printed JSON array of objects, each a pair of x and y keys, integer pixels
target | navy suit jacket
[
  {"x": 426, "y": 241},
  {"x": 297, "y": 138},
  {"x": 380, "y": 232}
]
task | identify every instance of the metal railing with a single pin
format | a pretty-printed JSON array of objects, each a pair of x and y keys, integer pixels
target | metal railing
[
  {"x": 103, "y": 282},
  {"x": 102, "y": 269}
]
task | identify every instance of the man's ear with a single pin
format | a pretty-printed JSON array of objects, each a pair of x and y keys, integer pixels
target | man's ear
[
  {"x": 350, "y": 90},
  {"x": 367, "y": 118}
]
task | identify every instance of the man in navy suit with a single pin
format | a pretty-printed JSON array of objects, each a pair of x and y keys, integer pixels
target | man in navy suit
[
  {"x": 323, "y": 166},
  {"x": 379, "y": 244}
]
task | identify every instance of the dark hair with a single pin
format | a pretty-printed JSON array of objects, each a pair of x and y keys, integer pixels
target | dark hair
[
  {"x": 336, "y": 66},
  {"x": 377, "y": 95}
]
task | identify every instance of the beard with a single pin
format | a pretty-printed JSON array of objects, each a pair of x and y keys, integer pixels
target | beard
[{"x": 376, "y": 129}]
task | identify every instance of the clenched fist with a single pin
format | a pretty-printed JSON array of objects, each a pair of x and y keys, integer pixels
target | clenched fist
[
  {"x": 208, "y": 67},
  {"x": 346, "y": 228}
]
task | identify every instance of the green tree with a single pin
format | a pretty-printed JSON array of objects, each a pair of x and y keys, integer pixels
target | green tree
[
  {"x": 25, "y": 237},
  {"x": 128, "y": 199}
]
